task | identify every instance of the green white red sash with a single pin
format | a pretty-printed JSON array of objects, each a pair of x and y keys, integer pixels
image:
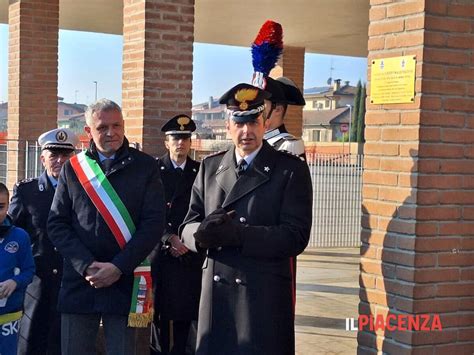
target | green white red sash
[{"x": 118, "y": 219}]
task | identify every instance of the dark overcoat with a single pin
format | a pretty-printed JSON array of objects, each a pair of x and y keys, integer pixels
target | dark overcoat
[
  {"x": 177, "y": 281},
  {"x": 247, "y": 298},
  {"x": 81, "y": 235},
  {"x": 29, "y": 209}
]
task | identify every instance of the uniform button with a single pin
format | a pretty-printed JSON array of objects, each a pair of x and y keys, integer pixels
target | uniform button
[
  {"x": 170, "y": 224},
  {"x": 217, "y": 278},
  {"x": 55, "y": 271},
  {"x": 55, "y": 249},
  {"x": 242, "y": 220},
  {"x": 219, "y": 248},
  {"x": 168, "y": 204},
  {"x": 238, "y": 281}
]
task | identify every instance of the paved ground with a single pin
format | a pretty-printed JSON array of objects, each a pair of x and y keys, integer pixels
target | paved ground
[{"x": 327, "y": 294}]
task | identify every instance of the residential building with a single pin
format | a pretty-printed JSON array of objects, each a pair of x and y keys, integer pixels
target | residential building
[
  {"x": 329, "y": 97},
  {"x": 325, "y": 115},
  {"x": 325, "y": 125},
  {"x": 210, "y": 110},
  {"x": 69, "y": 116},
  {"x": 3, "y": 116}
]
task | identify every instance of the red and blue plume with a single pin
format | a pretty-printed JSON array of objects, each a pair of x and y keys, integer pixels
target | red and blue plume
[{"x": 267, "y": 48}]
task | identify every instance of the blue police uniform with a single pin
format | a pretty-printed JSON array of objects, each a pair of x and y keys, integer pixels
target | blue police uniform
[{"x": 29, "y": 209}]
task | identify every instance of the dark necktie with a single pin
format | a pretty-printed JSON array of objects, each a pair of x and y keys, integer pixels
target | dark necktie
[
  {"x": 179, "y": 171},
  {"x": 240, "y": 169},
  {"x": 107, "y": 164}
]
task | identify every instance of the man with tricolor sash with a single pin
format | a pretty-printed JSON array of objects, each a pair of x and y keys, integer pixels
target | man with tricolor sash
[{"x": 107, "y": 216}]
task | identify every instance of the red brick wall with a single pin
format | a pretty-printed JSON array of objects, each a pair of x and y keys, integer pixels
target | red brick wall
[
  {"x": 418, "y": 196},
  {"x": 32, "y": 76},
  {"x": 157, "y": 67},
  {"x": 291, "y": 65}
]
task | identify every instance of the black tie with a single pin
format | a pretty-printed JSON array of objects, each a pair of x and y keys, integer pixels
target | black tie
[
  {"x": 107, "y": 164},
  {"x": 179, "y": 171},
  {"x": 240, "y": 170}
]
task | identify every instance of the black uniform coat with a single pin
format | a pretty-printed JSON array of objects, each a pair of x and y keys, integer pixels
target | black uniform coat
[
  {"x": 40, "y": 326},
  {"x": 81, "y": 235},
  {"x": 177, "y": 280},
  {"x": 246, "y": 300}
]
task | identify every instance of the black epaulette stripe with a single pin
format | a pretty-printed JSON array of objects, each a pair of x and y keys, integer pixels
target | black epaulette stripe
[
  {"x": 286, "y": 152},
  {"x": 215, "y": 154}
]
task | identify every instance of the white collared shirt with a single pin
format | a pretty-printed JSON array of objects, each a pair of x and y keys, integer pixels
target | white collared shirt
[
  {"x": 178, "y": 166},
  {"x": 102, "y": 157},
  {"x": 249, "y": 158},
  {"x": 54, "y": 181}
]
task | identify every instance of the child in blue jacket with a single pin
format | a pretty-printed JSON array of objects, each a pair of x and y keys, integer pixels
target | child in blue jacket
[{"x": 17, "y": 268}]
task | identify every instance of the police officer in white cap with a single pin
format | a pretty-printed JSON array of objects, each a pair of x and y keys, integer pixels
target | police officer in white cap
[{"x": 29, "y": 208}]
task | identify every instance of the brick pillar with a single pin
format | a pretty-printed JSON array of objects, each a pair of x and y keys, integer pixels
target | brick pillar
[
  {"x": 291, "y": 65},
  {"x": 417, "y": 253},
  {"x": 32, "y": 77},
  {"x": 157, "y": 67}
]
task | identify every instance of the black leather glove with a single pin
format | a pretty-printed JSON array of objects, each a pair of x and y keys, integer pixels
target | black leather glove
[
  {"x": 213, "y": 220},
  {"x": 218, "y": 229}
]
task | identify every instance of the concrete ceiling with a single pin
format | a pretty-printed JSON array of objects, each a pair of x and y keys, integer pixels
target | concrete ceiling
[{"x": 321, "y": 26}]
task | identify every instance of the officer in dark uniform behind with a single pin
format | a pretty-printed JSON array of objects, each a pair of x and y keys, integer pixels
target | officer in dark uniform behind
[
  {"x": 284, "y": 92},
  {"x": 29, "y": 209},
  {"x": 176, "y": 271}
]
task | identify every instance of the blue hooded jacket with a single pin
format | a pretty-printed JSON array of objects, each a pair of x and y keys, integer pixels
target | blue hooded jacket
[{"x": 16, "y": 263}]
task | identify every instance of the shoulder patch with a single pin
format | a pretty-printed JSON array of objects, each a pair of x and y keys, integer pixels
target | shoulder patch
[
  {"x": 25, "y": 181},
  {"x": 290, "y": 154},
  {"x": 12, "y": 247}
]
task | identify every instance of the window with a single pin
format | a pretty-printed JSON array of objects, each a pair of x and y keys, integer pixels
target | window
[
  {"x": 316, "y": 135},
  {"x": 326, "y": 104}
]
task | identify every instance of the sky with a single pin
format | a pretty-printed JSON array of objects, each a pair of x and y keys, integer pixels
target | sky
[{"x": 85, "y": 57}]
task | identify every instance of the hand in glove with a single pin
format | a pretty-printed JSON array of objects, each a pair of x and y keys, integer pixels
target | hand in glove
[{"x": 218, "y": 229}]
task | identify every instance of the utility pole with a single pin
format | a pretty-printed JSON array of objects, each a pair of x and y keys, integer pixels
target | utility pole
[
  {"x": 350, "y": 126},
  {"x": 95, "y": 82}
]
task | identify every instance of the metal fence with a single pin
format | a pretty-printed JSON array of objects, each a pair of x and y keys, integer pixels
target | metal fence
[
  {"x": 337, "y": 190},
  {"x": 337, "y": 197},
  {"x": 32, "y": 162},
  {"x": 3, "y": 163}
]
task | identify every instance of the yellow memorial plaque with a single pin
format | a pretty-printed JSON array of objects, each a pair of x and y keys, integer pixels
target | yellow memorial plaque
[{"x": 392, "y": 80}]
